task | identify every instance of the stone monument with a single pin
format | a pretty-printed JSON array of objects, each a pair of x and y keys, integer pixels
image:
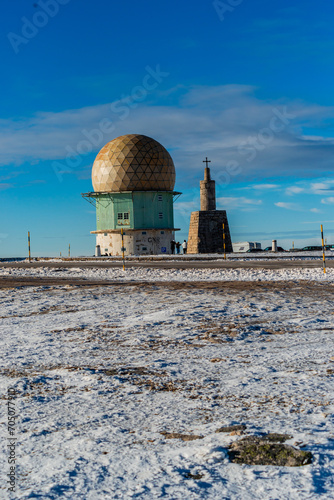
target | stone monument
[{"x": 206, "y": 230}]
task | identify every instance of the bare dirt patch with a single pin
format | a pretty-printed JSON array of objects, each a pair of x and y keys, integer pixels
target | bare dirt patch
[{"x": 183, "y": 437}]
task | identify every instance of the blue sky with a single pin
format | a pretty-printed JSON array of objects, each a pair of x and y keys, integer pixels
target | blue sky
[{"x": 247, "y": 83}]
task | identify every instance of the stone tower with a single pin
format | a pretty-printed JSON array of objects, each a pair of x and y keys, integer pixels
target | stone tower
[
  {"x": 206, "y": 226},
  {"x": 208, "y": 192}
]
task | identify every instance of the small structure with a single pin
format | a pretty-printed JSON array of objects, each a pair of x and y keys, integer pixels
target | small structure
[
  {"x": 244, "y": 246},
  {"x": 133, "y": 178},
  {"x": 207, "y": 227}
]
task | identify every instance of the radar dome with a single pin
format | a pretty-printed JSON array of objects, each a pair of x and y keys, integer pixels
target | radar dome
[{"x": 133, "y": 162}]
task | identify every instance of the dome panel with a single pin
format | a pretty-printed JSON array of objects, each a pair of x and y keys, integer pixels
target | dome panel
[{"x": 133, "y": 163}]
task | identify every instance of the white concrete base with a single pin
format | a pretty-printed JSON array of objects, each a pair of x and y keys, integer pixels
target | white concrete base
[{"x": 136, "y": 242}]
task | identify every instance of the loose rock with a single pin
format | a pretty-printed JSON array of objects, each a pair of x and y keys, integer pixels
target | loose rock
[
  {"x": 232, "y": 428},
  {"x": 268, "y": 450},
  {"x": 184, "y": 437}
]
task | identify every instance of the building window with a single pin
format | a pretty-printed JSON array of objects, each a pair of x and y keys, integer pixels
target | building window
[
  {"x": 144, "y": 248},
  {"x": 143, "y": 232},
  {"x": 160, "y": 197},
  {"x": 162, "y": 232},
  {"x": 106, "y": 250},
  {"x": 161, "y": 215},
  {"x": 105, "y": 234},
  {"x": 123, "y": 216}
]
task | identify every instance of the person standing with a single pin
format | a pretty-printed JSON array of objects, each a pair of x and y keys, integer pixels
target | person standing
[
  {"x": 178, "y": 246},
  {"x": 172, "y": 246},
  {"x": 184, "y": 246}
]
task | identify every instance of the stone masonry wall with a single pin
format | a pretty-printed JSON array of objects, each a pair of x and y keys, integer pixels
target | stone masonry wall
[
  {"x": 206, "y": 232},
  {"x": 208, "y": 195}
]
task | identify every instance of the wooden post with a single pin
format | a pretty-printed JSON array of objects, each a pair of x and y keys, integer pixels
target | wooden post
[
  {"x": 323, "y": 250},
  {"x": 224, "y": 244},
  {"x": 29, "y": 253},
  {"x": 123, "y": 249}
]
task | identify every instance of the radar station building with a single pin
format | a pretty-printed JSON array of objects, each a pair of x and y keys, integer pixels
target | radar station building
[{"x": 133, "y": 178}]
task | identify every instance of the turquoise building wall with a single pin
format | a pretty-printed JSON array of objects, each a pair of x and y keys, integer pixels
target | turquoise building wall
[{"x": 145, "y": 209}]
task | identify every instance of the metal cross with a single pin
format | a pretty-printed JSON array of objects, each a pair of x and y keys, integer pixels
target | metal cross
[{"x": 206, "y": 161}]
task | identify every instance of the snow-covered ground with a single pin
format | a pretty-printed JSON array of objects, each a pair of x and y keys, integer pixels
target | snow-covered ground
[
  {"x": 102, "y": 372},
  {"x": 235, "y": 256},
  {"x": 156, "y": 274}
]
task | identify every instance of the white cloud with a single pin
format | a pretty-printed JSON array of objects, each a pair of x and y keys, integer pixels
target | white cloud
[
  {"x": 328, "y": 201},
  {"x": 223, "y": 122},
  {"x": 288, "y": 206},
  {"x": 320, "y": 187},
  {"x": 231, "y": 203},
  {"x": 318, "y": 222},
  {"x": 315, "y": 210},
  {"x": 184, "y": 207},
  {"x": 265, "y": 186},
  {"x": 316, "y": 138},
  {"x": 293, "y": 190}
]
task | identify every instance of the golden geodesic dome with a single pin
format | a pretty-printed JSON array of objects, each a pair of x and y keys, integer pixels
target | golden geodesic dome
[{"x": 133, "y": 162}]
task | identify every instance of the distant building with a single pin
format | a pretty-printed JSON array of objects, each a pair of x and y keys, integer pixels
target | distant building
[
  {"x": 244, "y": 246},
  {"x": 133, "y": 178},
  {"x": 206, "y": 231}
]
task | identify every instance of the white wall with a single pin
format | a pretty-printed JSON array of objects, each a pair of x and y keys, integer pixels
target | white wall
[{"x": 136, "y": 243}]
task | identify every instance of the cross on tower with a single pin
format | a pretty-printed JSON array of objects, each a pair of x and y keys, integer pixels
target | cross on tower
[{"x": 206, "y": 161}]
